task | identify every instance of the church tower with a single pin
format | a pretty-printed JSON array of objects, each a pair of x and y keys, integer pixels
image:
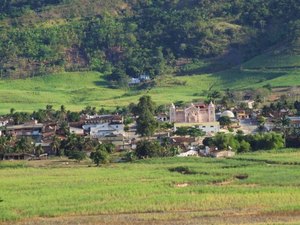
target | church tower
[
  {"x": 172, "y": 113},
  {"x": 211, "y": 112}
]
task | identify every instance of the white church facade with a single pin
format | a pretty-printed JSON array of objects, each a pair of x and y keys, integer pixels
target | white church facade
[{"x": 197, "y": 115}]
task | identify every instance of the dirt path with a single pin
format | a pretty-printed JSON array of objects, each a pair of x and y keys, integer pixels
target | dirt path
[{"x": 170, "y": 218}]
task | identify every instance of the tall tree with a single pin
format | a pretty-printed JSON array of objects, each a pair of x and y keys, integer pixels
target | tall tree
[{"x": 146, "y": 123}]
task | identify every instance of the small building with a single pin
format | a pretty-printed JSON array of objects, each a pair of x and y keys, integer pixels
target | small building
[
  {"x": 99, "y": 119},
  {"x": 248, "y": 103},
  {"x": 189, "y": 153},
  {"x": 163, "y": 117},
  {"x": 134, "y": 81},
  {"x": 294, "y": 121},
  {"x": 17, "y": 156},
  {"x": 31, "y": 129},
  {"x": 3, "y": 122},
  {"x": 104, "y": 129},
  {"x": 207, "y": 127},
  {"x": 77, "y": 131},
  {"x": 242, "y": 115},
  {"x": 222, "y": 154}
]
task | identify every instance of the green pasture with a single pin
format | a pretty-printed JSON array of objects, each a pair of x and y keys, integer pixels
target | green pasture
[
  {"x": 209, "y": 186},
  {"x": 79, "y": 89}
]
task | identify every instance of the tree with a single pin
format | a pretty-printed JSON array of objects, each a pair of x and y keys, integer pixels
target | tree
[
  {"x": 56, "y": 145},
  {"x": 39, "y": 150},
  {"x": 224, "y": 121},
  {"x": 149, "y": 149},
  {"x": 191, "y": 131},
  {"x": 24, "y": 145},
  {"x": 146, "y": 123},
  {"x": 213, "y": 95},
  {"x": 77, "y": 155},
  {"x": 284, "y": 125},
  {"x": 100, "y": 156},
  {"x": 244, "y": 146}
]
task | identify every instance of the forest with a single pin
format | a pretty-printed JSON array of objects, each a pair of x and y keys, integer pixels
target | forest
[{"x": 133, "y": 37}]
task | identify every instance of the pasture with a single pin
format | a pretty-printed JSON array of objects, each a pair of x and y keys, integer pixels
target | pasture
[
  {"x": 246, "y": 189},
  {"x": 78, "y": 89}
]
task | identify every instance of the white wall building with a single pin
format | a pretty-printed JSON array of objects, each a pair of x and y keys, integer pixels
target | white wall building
[{"x": 105, "y": 129}]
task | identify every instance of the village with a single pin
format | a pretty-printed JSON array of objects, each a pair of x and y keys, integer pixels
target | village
[{"x": 208, "y": 129}]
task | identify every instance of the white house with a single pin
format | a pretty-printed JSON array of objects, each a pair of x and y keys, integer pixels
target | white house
[
  {"x": 77, "y": 131},
  {"x": 105, "y": 129},
  {"x": 3, "y": 123},
  {"x": 207, "y": 127},
  {"x": 134, "y": 81}
]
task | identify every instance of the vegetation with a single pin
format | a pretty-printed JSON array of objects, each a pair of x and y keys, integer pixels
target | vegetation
[
  {"x": 191, "y": 131},
  {"x": 202, "y": 186},
  {"x": 245, "y": 143},
  {"x": 129, "y": 38},
  {"x": 146, "y": 123},
  {"x": 77, "y": 90}
]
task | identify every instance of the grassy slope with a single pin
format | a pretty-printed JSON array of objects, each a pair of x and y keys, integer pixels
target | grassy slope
[
  {"x": 76, "y": 90},
  {"x": 149, "y": 186}
]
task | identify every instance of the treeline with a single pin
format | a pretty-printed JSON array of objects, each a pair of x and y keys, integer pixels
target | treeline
[
  {"x": 145, "y": 38},
  {"x": 14, "y": 8},
  {"x": 245, "y": 143}
]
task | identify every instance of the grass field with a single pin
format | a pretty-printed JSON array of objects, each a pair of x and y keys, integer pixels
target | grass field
[
  {"x": 244, "y": 190},
  {"x": 77, "y": 90}
]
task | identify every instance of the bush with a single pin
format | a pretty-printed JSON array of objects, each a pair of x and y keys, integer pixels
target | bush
[
  {"x": 149, "y": 149},
  {"x": 77, "y": 155}
]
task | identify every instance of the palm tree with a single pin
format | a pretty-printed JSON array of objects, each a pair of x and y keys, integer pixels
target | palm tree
[
  {"x": 56, "y": 145},
  {"x": 214, "y": 95},
  {"x": 284, "y": 125},
  {"x": 62, "y": 113}
]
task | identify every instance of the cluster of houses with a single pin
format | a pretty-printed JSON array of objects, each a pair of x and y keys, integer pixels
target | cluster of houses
[{"x": 111, "y": 128}]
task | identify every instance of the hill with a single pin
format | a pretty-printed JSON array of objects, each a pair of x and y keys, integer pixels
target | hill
[
  {"x": 128, "y": 38},
  {"x": 76, "y": 90},
  {"x": 92, "y": 48}
]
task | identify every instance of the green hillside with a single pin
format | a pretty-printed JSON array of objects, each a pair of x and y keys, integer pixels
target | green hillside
[
  {"x": 50, "y": 48},
  {"x": 78, "y": 89},
  {"x": 133, "y": 37}
]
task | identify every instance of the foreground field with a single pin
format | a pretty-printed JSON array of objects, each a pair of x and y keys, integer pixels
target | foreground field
[
  {"x": 244, "y": 190},
  {"x": 77, "y": 90}
]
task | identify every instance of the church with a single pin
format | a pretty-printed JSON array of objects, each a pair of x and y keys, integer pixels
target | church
[
  {"x": 198, "y": 115},
  {"x": 194, "y": 113}
]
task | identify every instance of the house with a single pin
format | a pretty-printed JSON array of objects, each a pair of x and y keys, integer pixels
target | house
[
  {"x": 294, "y": 121},
  {"x": 104, "y": 129},
  {"x": 185, "y": 143},
  {"x": 214, "y": 152},
  {"x": 98, "y": 119},
  {"x": 222, "y": 154},
  {"x": 208, "y": 127},
  {"x": 17, "y": 156},
  {"x": 77, "y": 131},
  {"x": 163, "y": 117},
  {"x": 31, "y": 129},
  {"x": 144, "y": 77},
  {"x": 243, "y": 114},
  {"x": 134, "y": 81},
  {"x": 189, "y": 153},
  {"x": 3, "y": 122},
  {"x": 249, "y": 103}
]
